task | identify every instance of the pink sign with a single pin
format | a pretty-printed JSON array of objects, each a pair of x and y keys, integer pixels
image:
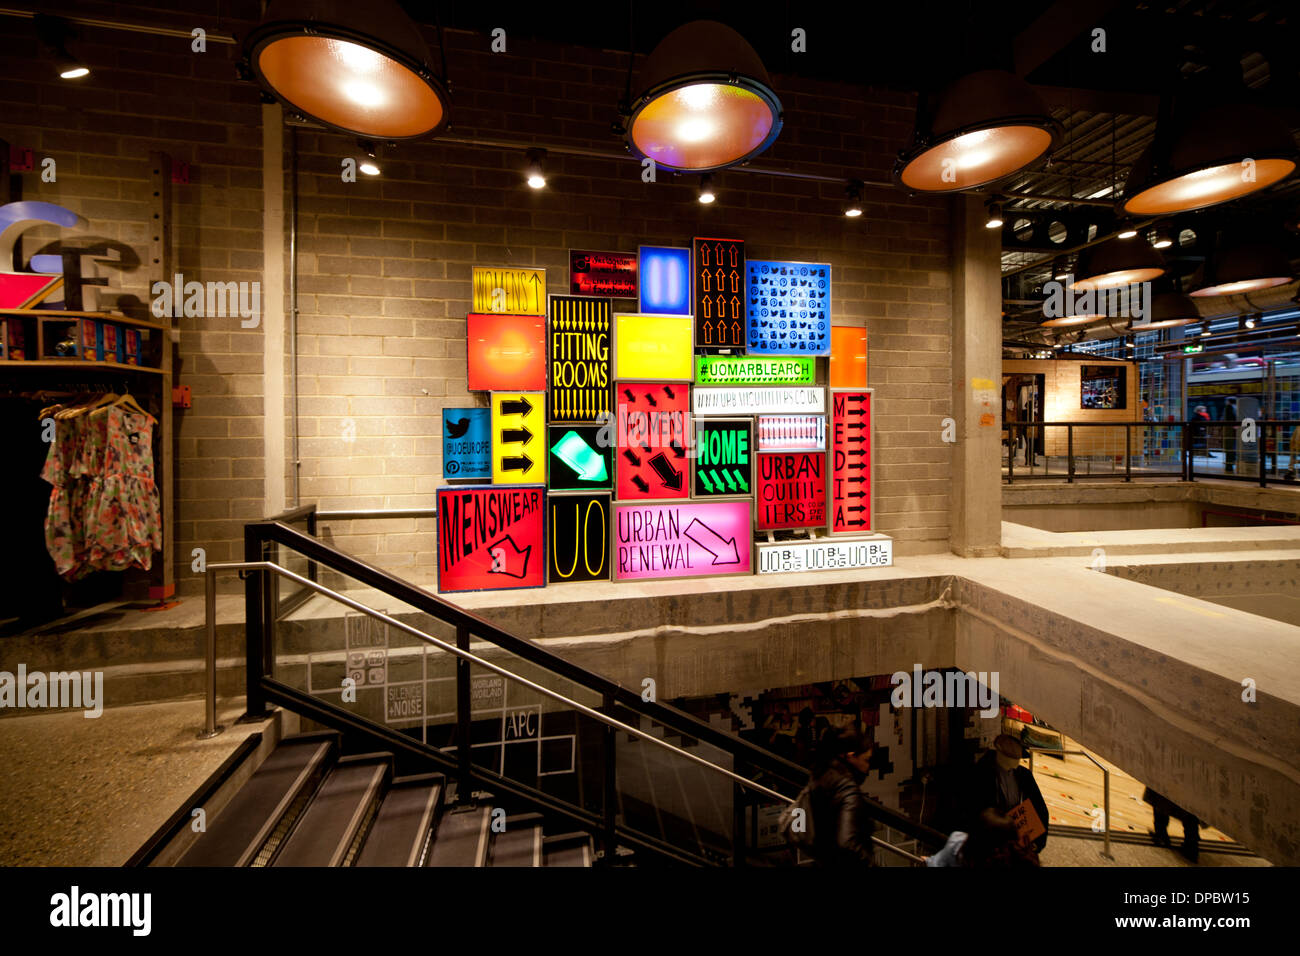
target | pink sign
[{"x": 685, "y": 540}]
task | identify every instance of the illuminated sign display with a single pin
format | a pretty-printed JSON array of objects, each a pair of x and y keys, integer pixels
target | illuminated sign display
[
  {"x": 792, "y": 433},
  {"x": 724, "y": 457},
  {"x": 758, "y": 401},
  {"x": 579, "y": 538},
  {"x": 491, "y": 537},
  {"x": 511, "y": 291},
  {"x": 789, "y": 307},
  {"x": 681, "y": 540},
  {"x": 581, "y": 457},
  {"x": 653, "y": 347},
  {"x": 611, "y": 274},
  {"x": 719, "y": 293},
  {"x": 791, "y": 490},
  {"x": 652, "y": 441},
  {"x": 800, "y": 556},
  {"x": 517, "y": 419},
  {"x": 848, "y": 356},
  {"x": 851, "y": 467},
  {"x": 506, "y": 352},
  {"x": 580, "y": 359},
  {"x": 754, "y": 370},
  {"x": 665, "y": 286},
  {"x": 467, "y": 443}
]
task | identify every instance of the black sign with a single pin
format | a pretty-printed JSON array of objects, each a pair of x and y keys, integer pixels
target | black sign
[
  {"x": 718, "y": 294},
  {"x": 578, "y": 549},
  {"x": 578, "y": 347},
  {"x": 724, "y": 457},
  {"x": 581, "y": 457}
]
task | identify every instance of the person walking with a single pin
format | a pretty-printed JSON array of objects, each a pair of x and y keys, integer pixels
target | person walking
[
  {"x": 842, "y": 825},
  {"x": 996, "y": 787},
  {"x": 1162, "y": 808}
]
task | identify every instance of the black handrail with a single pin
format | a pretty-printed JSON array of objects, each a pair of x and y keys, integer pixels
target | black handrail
[{"x": 259, "y": 534}]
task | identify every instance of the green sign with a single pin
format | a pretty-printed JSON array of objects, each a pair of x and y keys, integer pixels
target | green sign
[
  {"x": 724, "y": 457},
  {"x": 578, "y": 459},
  {"x": 1193, "y": 349},
  {"x": 755, "y": 370}
]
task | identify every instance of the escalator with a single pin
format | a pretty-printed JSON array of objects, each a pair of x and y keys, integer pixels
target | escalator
[{"x": 451, "y": 742}]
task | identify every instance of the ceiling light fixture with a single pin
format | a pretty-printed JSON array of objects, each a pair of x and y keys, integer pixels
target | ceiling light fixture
[
  {"x": 1060, "y": 268},
  {"x": 853, "y": 198},
  {"x": 1248, "y": 267},
  {"x": 1169, "y": 310},
  {"x": 1250, "y": 322},
  {"x": 706, "y": 194},
  {"x": 1161, "y": 237},
  {"x": 707, "y": 101},
  {"x": 1112, "y": 264},
  {"x": 1127, "y": 231},
  {"x": 53, "y": 34},
  {"x": 985, "y": 126},
  {"x": 535, "y": 171},
  {"x": 368, "y": 163},
  {"x": 359, "y": 68},
  {"x": 993, "y": 219},
  {"x": 1206, "y": 158}
]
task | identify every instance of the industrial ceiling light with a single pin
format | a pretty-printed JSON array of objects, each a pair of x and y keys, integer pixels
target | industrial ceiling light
[
  {"x": 706, "y": 194},
  {"x": 1169, "y": 310},
  {"x": 853, "y": 198},
  {"x": 1112, "y": 264},
  {"x": 1220, "y": 154},
  {"x": 1128, "y": 232},
  {"x": 535, "y": 172},
  {"x": 987, "y": 125},
  {"x": 993, "y": 217},
  {"x": 1060, "y": 268},
  {"x": 1250, "y": 322},
  {"x": 362, "y": 68},
  {"x": 707, "y": 102},
  {"x": 1245, "y": 268},
  {"x": 369, "y": 162},
  {"x": 53, "y": 34},
  {"x": 1162, "y": 237},
  {"x": 1083, "y": 318}
]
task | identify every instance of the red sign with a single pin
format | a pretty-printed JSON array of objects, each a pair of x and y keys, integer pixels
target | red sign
[
  {"x": 652, "y": 440},
  {"x": 791, "y": 490},
  {"x": 491, "y": 537},
  {"x": 507, "y": 353},
  {"x": 851, "y": 464},
  {"x": 603, "y": 274},
  {"x": 719, "y": 294}
]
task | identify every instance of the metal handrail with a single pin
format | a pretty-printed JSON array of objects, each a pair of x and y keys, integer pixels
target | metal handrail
[
  {"x": 211, "y": 729},
  {"x": 1105, "y": 775}
]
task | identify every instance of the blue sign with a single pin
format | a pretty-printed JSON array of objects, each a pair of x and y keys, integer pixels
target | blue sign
[
  {"x": 789, "y": 307},
  {"x": 467, "y": 443},
  {"x": 665, "y": 280}
]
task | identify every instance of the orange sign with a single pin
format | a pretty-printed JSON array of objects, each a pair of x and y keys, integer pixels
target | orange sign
[
  {"x": 507, "y": 353},
  {"x": 1025, "y": 817},
  {"x": 848, "y": 357}
]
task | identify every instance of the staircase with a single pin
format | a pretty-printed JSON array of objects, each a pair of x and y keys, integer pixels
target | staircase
[{"x": 309, "y": 805}]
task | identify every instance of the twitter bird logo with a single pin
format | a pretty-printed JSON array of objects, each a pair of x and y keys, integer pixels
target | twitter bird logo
[{"x": 457, "y": 429}]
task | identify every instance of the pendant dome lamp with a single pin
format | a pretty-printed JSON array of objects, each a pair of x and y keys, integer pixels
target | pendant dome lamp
[
  {"x": 986, "y": 125},
  {"x": 706, "y": 103},
  {"x": 360, "y": 68},
  {"x": 1116, "y": 263},
  {"x": 1248, "y": 267},
  {"x": 1209, "y": 157},
  {"x": 1169, "y": 309}
]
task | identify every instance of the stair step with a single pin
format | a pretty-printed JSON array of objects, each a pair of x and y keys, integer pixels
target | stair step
[
  {"x": 521, "y": 843},
  {"x": 337, "y": 816},
  {"x": 289, "y": 773},
  {"x": 462, "y": 838},
  {"x": 567, "y": 849},
  {"x": 407, "y": 816}
]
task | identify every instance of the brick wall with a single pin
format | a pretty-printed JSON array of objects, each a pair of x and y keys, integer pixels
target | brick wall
[{"x": 384, "y": 264}]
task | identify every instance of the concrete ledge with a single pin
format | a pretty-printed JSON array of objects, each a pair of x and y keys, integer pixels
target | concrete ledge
[{"x": 1022, "y": 541}]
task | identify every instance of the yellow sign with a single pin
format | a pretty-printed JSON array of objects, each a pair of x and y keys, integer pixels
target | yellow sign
[
  {"x": 657, "y": 347},
  {"x": 518, "y": 437},
  {"x": 510, "y": 291}
]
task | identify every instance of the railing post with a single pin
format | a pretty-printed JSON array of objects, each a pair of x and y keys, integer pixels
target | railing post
[
  {"x": 1011, "y": 454},
  {"x": 609, "y": 743},
  {"x": 1189, "y": 469},
  {"x": 258, "y": 636},
  {"x": 1128, "y": 453},
  {"x": 1106, "y": 809},
  {"x": 464, "y": 727},
  {"x": 210, "y": 728},
  {"x": 738, "y": 842},
  {"x": 1261, "y": 455},
  {"x": 312, "y": 529},
  {"x": 1069, "y": 454}
]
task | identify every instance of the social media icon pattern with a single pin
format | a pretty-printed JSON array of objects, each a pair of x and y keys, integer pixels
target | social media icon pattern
[{"x": 789, "y": 307}]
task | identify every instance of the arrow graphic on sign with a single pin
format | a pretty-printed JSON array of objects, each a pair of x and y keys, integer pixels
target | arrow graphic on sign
[
  {"x": 704, "y": 477},
  {"x": 516, "y": 463},
  {"x": 501, "y": 563},
  {"x": 731, "y": 482},
  {"x": 641, "y": 483},
  {"x": 669, "y": 475},
  {"x": 519, "y": 406},
  {"x": 581, "y": 457},
  {"x": 723, "y": 550},
  {"x": 520, "y": 435}
]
